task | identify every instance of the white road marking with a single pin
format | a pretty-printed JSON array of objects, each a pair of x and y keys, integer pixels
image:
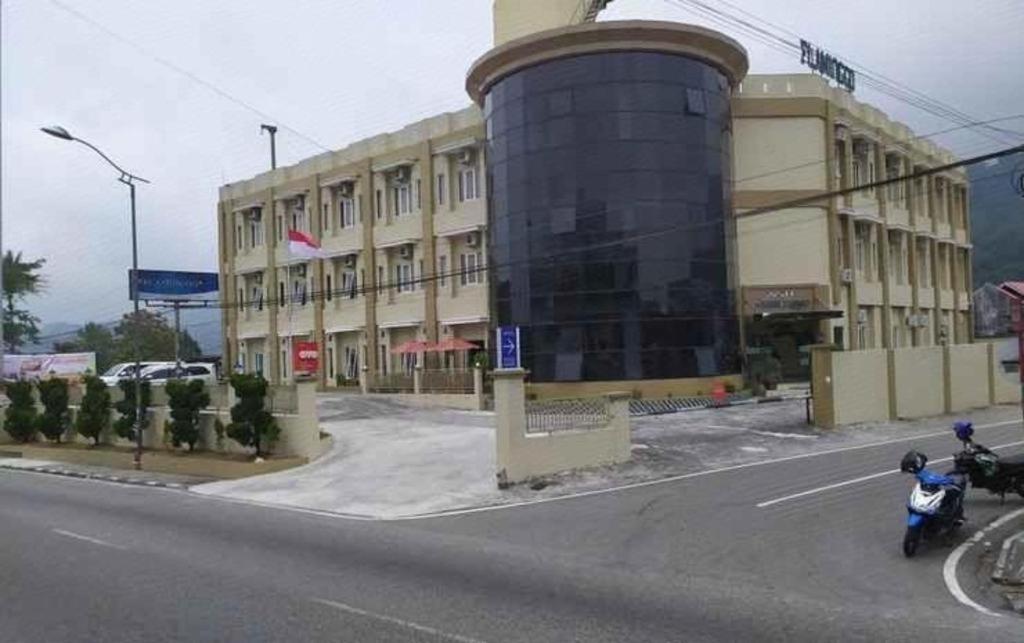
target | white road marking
[
  {"x": 844, "y": 483},
  {"x": 397, "y": 621},
  {"x": 88, "y": 539},
  {"x": 770, "y": 434},
  {"x": 949, "y": 568},
  {"x": 581, "y": 494}
]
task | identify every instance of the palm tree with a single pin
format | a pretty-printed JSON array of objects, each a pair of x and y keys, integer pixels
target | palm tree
[{"x": 20, "y": 279}]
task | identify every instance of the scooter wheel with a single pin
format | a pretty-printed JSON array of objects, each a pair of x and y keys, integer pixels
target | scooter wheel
[{"x": 911, "y": 540}]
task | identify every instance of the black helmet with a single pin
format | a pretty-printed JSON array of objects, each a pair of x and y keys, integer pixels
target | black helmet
[{"x": 913, "y": 462}]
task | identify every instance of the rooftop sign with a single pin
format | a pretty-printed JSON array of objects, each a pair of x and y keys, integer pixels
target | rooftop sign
[{"x": 827, "y": 65}]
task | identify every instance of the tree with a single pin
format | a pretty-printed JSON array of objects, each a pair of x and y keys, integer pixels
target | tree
[
  {"x": 92, "y": 338},
  {"x": 186, "y": 399},
  {"x": 94, "y": 413},
  {"x": 124, "y": 426},
  {"x": 20, "y": 418},
  {"x": 251, "y": 424},
  {"x": 55, "y": 418},
  {"x": 156, "y": 339},
  {"x": 20, "y": 279}
]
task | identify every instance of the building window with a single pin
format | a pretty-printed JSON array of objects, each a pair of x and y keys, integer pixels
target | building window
[
  {"x": 468, "y": 184},
  {"x": 442, "y": 269},
  {"x": 380, "y": 279},
  {"x": 325, "y": 219},
  {"x": 298, "y": 215},
  {"x": 440, "y": 189},
  {"x": 258, "y": 359},
  {"x": 419, "y": 195},
  {"x": 346, "y": 213},
  {"x": 330, "y": 362},
  {"x": 330, "y": 290},
  {"x": 470, "y": 266},
  {"x": 280, "y": 228},
  {"x": 383, "y": 368},
  {"x": 403, "y": 277},
  {"x": 241, "y": 299},
  {"x": 348, "y": 284},
  {"x": 280, "y": 293},
  {"x": 403, "y": 199},
  {"x": 238, "y": 237},
  {"x": 378, "y": 204},
  {"x": 284, "y": 363},
  {"x": 695, "y": 101},
  {"x": 860, "y": 243},
  {"x": 241, "y": 356}
]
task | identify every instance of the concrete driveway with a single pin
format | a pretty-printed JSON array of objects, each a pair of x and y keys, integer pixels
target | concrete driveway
[{"x": 387, "y": 460}]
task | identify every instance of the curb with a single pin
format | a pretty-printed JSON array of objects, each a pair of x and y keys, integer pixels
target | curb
[
  {"x": 1007, "y": 570},
  {"x": 67, "y": 473}
]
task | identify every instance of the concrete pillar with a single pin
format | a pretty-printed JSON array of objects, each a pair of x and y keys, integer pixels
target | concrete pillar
[
  {"x": 417, "y": 379},
  {"x": 364, "y": 381},
  {"x": 510, "y": 416},
  {"x": 478, "y": 387},
  {"x": 821, "y": 386},
  {"x": 947, "y": 380}
]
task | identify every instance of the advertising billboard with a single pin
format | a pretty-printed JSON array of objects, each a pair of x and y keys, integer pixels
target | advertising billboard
[
  {"x": 175, "y": 285},
  {"x": 305, "y": 358},
  {"x": 34, "y": 367}
]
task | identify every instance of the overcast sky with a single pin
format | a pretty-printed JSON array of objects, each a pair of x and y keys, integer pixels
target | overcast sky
[{"x": 329, "y": 72}]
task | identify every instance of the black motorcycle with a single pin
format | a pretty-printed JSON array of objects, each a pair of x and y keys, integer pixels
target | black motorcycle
[{"x": 985, "y": 469}]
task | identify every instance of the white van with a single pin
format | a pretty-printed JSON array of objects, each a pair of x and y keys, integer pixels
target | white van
[
  {"x": 159, "y": 374},
  {"x": 125, "y": 370}
]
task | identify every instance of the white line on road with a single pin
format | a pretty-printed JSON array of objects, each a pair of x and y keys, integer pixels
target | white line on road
[
  {"x": 770, "y": 434},
  {"x": 88, "y": 539},
  {"x": 844, "y": 483},
  {"x": 581, "y": 494},
  {"x": 949, "y": 568},
  {"x": 397, "y": 621}
]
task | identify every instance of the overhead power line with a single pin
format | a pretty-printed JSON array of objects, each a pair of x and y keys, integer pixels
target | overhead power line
[
  {"x": 186, "y": 73},
  {"x": 380, "y": 287},
  {"x": 784, "y": 44}
]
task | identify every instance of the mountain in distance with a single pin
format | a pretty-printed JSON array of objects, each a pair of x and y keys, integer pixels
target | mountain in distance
[
  {"x": 997, "y": 220},
  {"x": 203, "y": 324}
]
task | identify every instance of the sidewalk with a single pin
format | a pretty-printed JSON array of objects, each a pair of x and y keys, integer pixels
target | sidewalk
[{"x": 140, "y": 478}]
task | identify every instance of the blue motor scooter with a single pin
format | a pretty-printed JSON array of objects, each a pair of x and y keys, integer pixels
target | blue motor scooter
[{"x": 935, "y": 505}]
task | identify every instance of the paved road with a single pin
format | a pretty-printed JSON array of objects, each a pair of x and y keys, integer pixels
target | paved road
[{"x": 695, "y": 559}]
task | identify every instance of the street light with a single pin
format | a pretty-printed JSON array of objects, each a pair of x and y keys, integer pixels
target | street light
[{"x": 128, "y": 179}]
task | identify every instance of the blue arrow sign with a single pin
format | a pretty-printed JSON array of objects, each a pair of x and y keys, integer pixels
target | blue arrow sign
[{"x": 508, "y": 347}]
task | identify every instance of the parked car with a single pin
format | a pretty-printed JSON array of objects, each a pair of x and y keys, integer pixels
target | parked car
[
  {"x": 126, "y": 370},
  {"x": 195, "y": 371}
]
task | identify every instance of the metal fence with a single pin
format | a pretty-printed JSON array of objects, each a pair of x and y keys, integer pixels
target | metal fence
[
  {"x": 392, "y": 383},
  {"x": 446, "y": 381},
  {"x": 580, "y": 414}
]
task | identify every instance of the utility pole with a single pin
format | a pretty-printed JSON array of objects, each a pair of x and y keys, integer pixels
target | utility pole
[{"x": 272, "y": 129}]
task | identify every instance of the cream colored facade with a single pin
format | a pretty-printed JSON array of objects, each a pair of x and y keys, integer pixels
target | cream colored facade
[
  {"x": 517, "y": 18},
  {"x": 401, "y": 218},
  {"x": 894, "y": 262}
]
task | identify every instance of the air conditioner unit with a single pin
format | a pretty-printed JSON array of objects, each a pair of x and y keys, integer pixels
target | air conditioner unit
[
  {"x": 403, "y": 174},
  {"x": 405, "y": 251},
  {"x": 350, "y": 261},
  {"x": 466, "y": 156},
  {"x": 862, "y": 316},
  {"x": 846, "y": 275},
  {"x": 473, "y": 239}
]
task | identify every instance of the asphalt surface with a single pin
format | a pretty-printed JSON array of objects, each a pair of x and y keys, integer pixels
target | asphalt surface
[{"x": 692, "y": 559}]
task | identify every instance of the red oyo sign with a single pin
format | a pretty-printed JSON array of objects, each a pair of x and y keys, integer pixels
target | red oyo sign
[{"x": 305, "y": 357}]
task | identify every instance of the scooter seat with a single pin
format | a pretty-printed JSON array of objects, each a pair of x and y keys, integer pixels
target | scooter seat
[{"x": 1012, "y": 462}]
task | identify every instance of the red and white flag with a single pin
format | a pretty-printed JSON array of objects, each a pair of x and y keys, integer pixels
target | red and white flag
[{"x": 303, "y": 245}]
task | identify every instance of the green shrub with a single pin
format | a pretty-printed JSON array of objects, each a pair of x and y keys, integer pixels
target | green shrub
[
  {"x": 186, "y": 399},
  {"x": 56, "y": 417},
  {"x": 21, "y": 417},
  {"x": 94, "y": 413},
  {"x": 251, "y": 425},
  {"x": 124, "y": 426}
]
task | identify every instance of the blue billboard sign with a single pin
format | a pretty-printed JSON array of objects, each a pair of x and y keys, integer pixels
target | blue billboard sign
[
  {"x": 173, "y": 285},
  {"x": 508, "y": 347}
]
